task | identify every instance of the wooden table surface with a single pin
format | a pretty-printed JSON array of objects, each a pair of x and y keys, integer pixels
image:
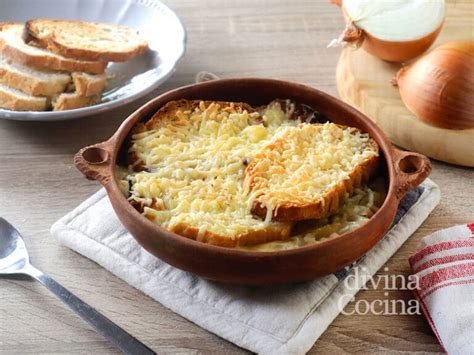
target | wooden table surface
[{"x": 38, "y": 185}]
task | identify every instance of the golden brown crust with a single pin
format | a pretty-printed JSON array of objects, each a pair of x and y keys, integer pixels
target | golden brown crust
[
  {"x": 16, "y": 101},
  {"x": 27, "y": 36},
  {"x": 54, "y": 63},
  {"x": 285, "y": 216},
  {"x": 328, "y": 204},
  {"x": 46, "y": 61},
  {"x": 167, "y": 115},
  {"x": 86, "y": 85},
  {"x": 32, "y": 85},
  {"x": 71, "y": 101},
  {"x": 280, "y": 231},
  {"x": 30, "y": 34}
]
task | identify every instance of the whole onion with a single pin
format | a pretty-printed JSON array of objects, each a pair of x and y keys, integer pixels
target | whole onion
[{"x": 439, "y": 87}]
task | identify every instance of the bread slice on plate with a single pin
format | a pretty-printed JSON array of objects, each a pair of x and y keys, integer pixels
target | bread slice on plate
[
  {"x": 71, "y": 100},
  {"x": 32, "y": 81},
  {"x": 85, "y": 84},
  {"x": 190, "y": 159},
  {"x": 307, "y": 171},
  {"x": 85, "y": 40},
  {"x": 13, "y": 47},
  {"x": 15, "y": 100}
]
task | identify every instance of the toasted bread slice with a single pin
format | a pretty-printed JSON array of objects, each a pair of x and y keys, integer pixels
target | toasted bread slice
[
  {"x": 273, "y": 232},
  {"x": 70, "y": 101},
  {"x": 32, "y": 81},
  {"x": 167, "y": 116},
  {"x": 13, "y": 46},
  {"x": 15, "y": 100},
  {"x": 172, "y": 112},
  {"x": 85, "y": 40},
  {"x": 190, "y": 157},
  {"x": 84, "y": 84},
  {"x": 308, "y": 170}
]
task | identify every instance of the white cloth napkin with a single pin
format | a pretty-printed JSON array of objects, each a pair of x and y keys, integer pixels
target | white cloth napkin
[
  {"x": 284, "y": 319},
  {"x": 444, "y": 267}
]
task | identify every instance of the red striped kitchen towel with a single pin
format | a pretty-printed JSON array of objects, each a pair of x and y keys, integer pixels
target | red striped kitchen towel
[{"x": 444, "y": 269}]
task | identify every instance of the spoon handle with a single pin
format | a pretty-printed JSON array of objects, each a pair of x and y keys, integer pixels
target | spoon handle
[{"x": 104, "y": 326}]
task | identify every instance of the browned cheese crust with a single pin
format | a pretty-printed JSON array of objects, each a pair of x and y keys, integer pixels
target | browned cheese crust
[
  {"x": 321, "y": 208},
  {"x": 167, "y": 116}
]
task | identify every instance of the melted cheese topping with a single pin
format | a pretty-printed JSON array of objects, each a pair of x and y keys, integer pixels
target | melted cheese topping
[
  {"x": 356, "y": 211},
  {"x": 304, "y": 163},
  {"x": 195, "y": 167}
]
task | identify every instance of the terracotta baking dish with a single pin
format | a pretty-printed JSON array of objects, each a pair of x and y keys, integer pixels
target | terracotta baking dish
[{"x": 404, "y": 171}]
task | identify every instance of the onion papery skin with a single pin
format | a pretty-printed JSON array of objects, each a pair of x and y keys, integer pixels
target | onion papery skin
[{"x": 439, "y": 87}]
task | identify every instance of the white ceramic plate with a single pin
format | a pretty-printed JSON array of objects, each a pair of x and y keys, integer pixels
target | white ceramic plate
[{"x": 129, "y": 80}]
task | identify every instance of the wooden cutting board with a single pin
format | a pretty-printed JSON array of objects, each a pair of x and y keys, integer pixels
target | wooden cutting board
[{"x": 363, "y": 81}]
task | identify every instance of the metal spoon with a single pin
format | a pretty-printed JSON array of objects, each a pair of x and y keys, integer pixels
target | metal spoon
[{"x": 14, "y": 259}]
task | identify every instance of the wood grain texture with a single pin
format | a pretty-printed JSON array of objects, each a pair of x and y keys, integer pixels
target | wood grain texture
[
  {"x": 38, "y": 185},
  {"x": 364, "y": 82}
]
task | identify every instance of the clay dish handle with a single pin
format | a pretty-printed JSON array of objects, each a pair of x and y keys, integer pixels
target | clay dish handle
[
  {"x": 410, "y": 170},
  {"x": 94, "y": 162}
]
